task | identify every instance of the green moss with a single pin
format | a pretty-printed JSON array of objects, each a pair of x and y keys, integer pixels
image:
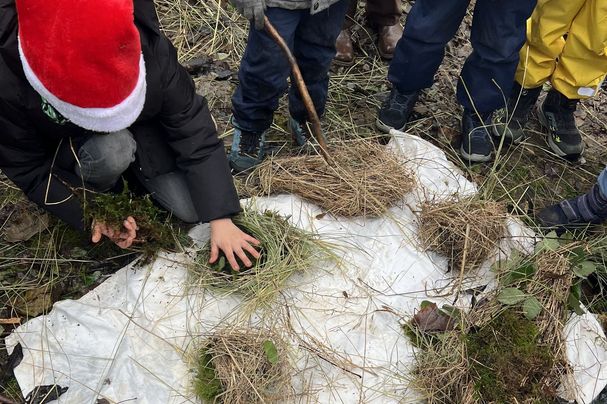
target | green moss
[
  {"x": 156, "y": 230},
  {"x": 206, "y": 384},
  {"x": 508, "y": 361}
]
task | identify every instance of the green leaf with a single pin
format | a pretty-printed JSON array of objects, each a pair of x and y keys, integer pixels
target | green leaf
[
  {"x": 271, "y": 352},
  {"x": 510, "y": 296},
  {"x": 450, "y": 311},
  {"x": 221, "y": 263},
  {"x": 549, "y": 243},
  {"x": 584, "y": 269},
  {"x": 425, "y": 303},
  {"x": 532, "y": 307},
  {"x": 574, "y": 304},
  {"x": 523, "y": 271}
]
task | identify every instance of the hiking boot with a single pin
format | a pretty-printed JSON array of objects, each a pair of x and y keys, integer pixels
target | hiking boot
[
  {"x": 589, "y": 208},
  {"x": 510, "y": 121},
  {"x": 556, "y": 114},
  {"x": 477, "y": 145},
  {"x": 395, "y": 111},
  {"x": 248, "y": 150},
  {"x": 388, "y": 37},
  {"x": 344, "y": 50}
]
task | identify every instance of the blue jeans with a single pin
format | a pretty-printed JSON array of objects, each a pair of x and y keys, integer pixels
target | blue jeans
[
  {"x": 264, "y": 68},
  {"x": 498, "y": 33},
  {"x": 102, "y": 159}
]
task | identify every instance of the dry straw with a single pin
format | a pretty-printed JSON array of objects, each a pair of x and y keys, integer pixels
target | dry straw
[
  {"x": 465, "y": 231},
  {"x": 365, "y": 179},
  {"x": 244, "y": 366},
  {"x": 285, "y": 249}
]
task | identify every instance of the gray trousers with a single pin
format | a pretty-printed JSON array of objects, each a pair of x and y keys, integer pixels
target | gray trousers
[{"x": 104, "y": 157}]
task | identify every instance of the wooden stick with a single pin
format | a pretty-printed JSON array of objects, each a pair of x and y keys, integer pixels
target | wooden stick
[
  {"x": 14, "y": 320},
  {"x": 303, "y": 90}
]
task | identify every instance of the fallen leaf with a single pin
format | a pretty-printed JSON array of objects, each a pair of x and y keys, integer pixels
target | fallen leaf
[
  {"x": 25, "y": 224},
  {"x": 430, "y": 318},
  {"x": 34, "y": 302}
]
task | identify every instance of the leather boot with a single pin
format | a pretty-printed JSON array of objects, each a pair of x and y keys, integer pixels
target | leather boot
[
  {"x": 388, "y": 36},
  {"x": 344, "y": 50}
]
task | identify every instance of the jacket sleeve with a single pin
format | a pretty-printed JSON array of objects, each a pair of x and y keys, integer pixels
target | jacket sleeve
[
  {"x": 193, "y": 137},
  {"x": 29, "y": 166}
]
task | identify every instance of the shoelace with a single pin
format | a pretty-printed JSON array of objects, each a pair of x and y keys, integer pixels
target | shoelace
[{"x": 399, "y": 101}]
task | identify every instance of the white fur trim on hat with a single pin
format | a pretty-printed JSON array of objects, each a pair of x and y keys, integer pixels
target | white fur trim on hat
[{"x": 111, "y": 119}]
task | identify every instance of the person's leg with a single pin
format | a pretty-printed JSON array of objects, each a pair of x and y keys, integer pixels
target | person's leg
[
  {"x": 383, "y": 12},
  {"x": 314, "y": 48},
  {"x": 344, "y": 49},
  {"x": 429, "y": 26},
  {"x": 582, "y": 64},
  {"x": 384, "y": 17},
  {"x": 172, "y": 193},
  {"x": 546, "y": 28},
  {"x": 550, "y": 20},
  {"x": 497, "y": 35},
  {"x": 588, "y": 208},
  {"x": 103, "y": 158},
  {"x": 262, "y": 78},
  {"x": 263, "y": 73},
  {"x": 498, "y": 32},
  {"x": 580, "y": 69}
]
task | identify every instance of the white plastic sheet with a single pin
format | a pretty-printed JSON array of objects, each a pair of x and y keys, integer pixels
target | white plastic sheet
[{"x": 130, "y": 338}]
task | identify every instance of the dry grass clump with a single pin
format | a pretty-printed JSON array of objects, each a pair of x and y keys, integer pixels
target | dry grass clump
[
  {"x": 465, "y": 231},
  {"x": 364, "y": 179},
  {"x": 243, "y": 366},
  {"x": 284, "y": 249}
]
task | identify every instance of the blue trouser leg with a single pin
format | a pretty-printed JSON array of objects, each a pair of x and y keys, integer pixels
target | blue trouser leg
[
  {"x": 314, "y": 49},
  {"x": 497, "y": 35},
  {"x": 602, "y": 181},
  {"x": 263, "y": 72},
  {"x": 430, "y": 25}
]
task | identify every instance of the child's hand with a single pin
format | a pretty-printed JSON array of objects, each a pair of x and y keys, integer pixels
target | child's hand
[
  {"x": 120, "y": 237},
  {"x": 225, "y": 236}
]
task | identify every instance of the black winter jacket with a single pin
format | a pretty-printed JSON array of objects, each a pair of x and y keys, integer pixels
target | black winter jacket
[{"x": 29, "y": 139}]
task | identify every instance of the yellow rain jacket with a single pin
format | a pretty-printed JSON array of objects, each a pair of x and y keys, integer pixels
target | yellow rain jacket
[{"x": 567, "y": 45}]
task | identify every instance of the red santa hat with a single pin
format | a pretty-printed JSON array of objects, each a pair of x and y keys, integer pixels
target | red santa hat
[{"x": 84, "y": 57}]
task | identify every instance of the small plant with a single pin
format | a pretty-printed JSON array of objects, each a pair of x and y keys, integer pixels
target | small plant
[{"x": 243, "y": 366}]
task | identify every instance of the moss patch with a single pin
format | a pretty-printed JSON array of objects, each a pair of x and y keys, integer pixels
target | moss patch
[
  {"x": 156, "y": 229},
  {"x": 206, "y": 384},
  {"x": 508, "y": 360}
]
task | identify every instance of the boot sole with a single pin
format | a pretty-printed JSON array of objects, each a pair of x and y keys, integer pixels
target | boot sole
[
  {"x": 385, "y": 128},
  {"x": 474, "y": 158}
]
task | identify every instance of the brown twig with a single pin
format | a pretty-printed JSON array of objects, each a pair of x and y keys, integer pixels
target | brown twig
[
  {"x": 303, "y": 90},
  {"x": 13, "y": 320}
]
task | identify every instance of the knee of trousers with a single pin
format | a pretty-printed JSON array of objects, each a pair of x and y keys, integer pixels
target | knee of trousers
[{"x": 111, "y": 156}]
